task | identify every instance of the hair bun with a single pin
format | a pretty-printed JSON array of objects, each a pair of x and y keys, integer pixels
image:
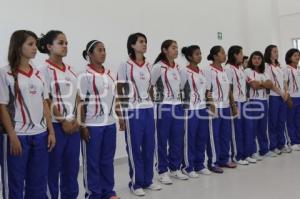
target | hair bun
[
  {"x": 84, "y": 54},
  {"x": 41, "y": 45},
  {"x": 209, "y": 57},
  {"x": 184, "y": 50}
]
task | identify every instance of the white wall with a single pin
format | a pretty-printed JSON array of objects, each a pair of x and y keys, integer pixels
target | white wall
[
  {"x": 112, "y": 21},
  {"x": 271, "y": 22},
  {"x": 289, "y": 29},
  {"x": 288, "y": 7},
  {"x": 261, "y": 24},
  {"x": 188, "y": 22},
  {"x": 289, "y": 12}
]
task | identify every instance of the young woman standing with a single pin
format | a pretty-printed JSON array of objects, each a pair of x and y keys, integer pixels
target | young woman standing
[
  {"x": 170, "y": 113},
  {"x": 62, "y": 84},
  {"x": 220, "y": 124},
  {"x": 237, "y": 78},
  {"x": 277, "y": 102},
  {"x": 134, "y": 94},
  {"x": 258, "y": 82},
  {"x": 293, "y": 78},
  {"x": 98, "y": 128},
  {"x": 3, "y": 148},
  {"x": 195, "y": 94},
  {"x": 29, "y": 141}
]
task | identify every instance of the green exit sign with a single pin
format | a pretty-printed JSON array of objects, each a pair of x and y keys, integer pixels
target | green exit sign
[{"x": 220, "y": 35}]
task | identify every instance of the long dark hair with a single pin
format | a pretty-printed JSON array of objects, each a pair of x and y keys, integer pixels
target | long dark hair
[
  {"x": 132, "y": 39},
  {"x": 189, "y": 51},
  {"x": 165, "y": 45},
  {"x": 261, "y": 66},
  {"x": 17, "y": 39},
  {"x": 268, "y": 54},
  {"x": 233, "y": 50},
  {"x": 46, "y": 39},
  {"x": 289, "y": 55}
]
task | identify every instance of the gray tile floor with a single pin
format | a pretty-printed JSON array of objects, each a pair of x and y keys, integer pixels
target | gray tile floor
[{"x": 273, "y": 178}]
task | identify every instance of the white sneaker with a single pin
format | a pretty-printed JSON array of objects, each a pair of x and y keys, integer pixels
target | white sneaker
[
  {"x": 286, "y": 149},
  {"x": 242, "y": 162},
  {"x": 295, "y": 147},
  {"x": 192, "y": 174},
  {"x": 277, "y": 151},
  {"x": 271, "y": 154},
  {"x": 257, "y": 157},
  {"x": 204, "y": 171},
  {"x": 164, "y": 178},
  {"x": 251, "y": 160},
  {"x": 154, "y": 187},
  {"x": 138, "y": 192},
  {"x": 178, "y": 175}
]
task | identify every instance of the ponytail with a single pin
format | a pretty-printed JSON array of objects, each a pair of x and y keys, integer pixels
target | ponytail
[{"x": 162, "y": 56}]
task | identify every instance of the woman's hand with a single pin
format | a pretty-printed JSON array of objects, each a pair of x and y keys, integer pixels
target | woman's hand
[
  {"x": 234, "y": 110},
  {"x": 286, "y": 97},
  {"x": 67, "y": 126},
  {"x": 213, "y": 111},
  {"x": 15, "y": 145},
  {"x": 290, "y": 102},
  {"x": 122, "y": 125},
  {"x": 76, "y": 126},
  {"x": 85, "y": 134},
  {"x": 51, "y": 141},
  {"x": 209, "y": 95}
]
